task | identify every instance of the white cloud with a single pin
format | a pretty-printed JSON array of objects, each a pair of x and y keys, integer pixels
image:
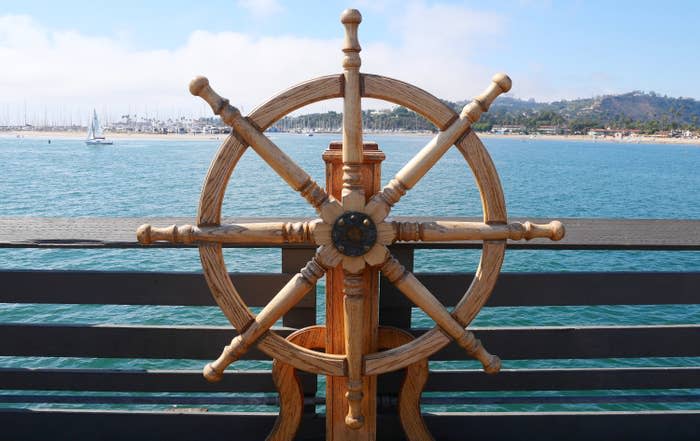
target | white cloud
[{"x": 64, "y": 69}]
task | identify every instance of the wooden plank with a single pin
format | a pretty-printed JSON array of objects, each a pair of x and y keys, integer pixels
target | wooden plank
[
  {"x": 570, "y": 426},
  {"x": 439, "y": 381},
  {"x": 190, "y": 289},
  {"x": 134, "y": 288},
  {"x": 581, "y": 234},
  {"x": 268, "y": 400},
  {"x": 474, "y": 400},
  {"x": 180, "y": 425},
  {"x": 206, "y": 342},
  {"x": 114, "y": 341},
  {"x": 124, "y": 380},
  {"x": 131, "y": 400},
  {"x": 566, "y": 289},
  {"x": 555, "y": 379},
  {"x": 77, "y": 425},
  {"x": 559, "y": 342}
]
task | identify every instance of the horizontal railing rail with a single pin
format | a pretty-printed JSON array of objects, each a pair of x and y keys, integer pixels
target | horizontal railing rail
[{"x": 102, "y": 232}]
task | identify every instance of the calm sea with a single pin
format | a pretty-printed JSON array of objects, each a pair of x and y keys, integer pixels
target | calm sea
[{"x": 541, "y": 178}]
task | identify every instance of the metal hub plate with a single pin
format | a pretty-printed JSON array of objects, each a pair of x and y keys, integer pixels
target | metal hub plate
[{"x": 354, "y": 233}]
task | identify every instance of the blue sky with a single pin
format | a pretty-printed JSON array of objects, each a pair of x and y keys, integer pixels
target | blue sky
[{"x": 138, "y": 55}]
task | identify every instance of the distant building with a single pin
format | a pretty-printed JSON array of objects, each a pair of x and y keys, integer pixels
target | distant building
[
  {"x": 509, "y": 130},
  {"x": 552, "y": 130},
  {"x": 615, "y": 133}
]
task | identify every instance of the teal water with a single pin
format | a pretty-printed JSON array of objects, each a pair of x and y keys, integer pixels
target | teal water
[{"x": 540, "y": 178}]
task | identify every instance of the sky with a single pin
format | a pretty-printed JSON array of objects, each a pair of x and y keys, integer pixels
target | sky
[{"x": 60, "y": 59}]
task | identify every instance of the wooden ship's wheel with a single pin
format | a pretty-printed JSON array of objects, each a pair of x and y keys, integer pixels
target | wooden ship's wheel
[{"x": 352, "y": 235}]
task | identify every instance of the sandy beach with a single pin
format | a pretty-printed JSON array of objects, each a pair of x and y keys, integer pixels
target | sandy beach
[{"x": 208, "y": 137}]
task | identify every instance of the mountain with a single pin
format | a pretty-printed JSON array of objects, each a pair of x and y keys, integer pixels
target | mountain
[{"x": 648, "y": 112}]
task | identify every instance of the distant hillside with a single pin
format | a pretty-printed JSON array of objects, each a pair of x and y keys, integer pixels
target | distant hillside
[{"x": 647, "y": 112}]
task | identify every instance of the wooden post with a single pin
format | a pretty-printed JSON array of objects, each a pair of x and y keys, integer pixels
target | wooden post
[{"x": 336, "y": 387}]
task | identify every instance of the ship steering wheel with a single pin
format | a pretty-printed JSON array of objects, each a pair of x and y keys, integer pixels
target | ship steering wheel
[{"x": 354, "y": 231}]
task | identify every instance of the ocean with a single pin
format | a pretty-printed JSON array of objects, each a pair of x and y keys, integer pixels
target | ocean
[{"x": 541, "y": 178}]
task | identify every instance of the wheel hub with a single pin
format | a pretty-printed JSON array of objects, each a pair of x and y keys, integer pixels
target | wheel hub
[{"x": 354, "y": 233}]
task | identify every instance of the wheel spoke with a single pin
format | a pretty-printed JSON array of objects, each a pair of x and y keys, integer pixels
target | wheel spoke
[
  {"x": 353, "y": 197},
  {"x": 284, "y": 300},
  {"x": 443, "y": 231},
  {"x": 352, "y": 193},
  {"x": 412, "y": 288},
  {"x": 380, "y": 204},
  {"x": 285, "y": 167},
  {"x": 353, "y": 305},
  {"x": 240, "y": 233}
]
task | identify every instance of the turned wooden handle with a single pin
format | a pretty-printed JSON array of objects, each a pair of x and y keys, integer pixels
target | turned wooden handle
[
  {"x": 353, "y": 301},
  {"x": 500, "y": 83},
  {"x": 416, "y": 292},
  {"x": 288, "y": 170},
  {"x": 146, "y": 234},
  {"x": 220, "y": 106},
  {"x": 437, "y": 231},
  {"x": 527, "y": 230},
  {"x": 214, "y": 371},
  {"x": 298, "y": 286},
  {"x": 380, "y": 205},
  {"x": 257, "y": 232},
  {"x": 491, "y": 363},
  {"x": 351, "y": 19}
]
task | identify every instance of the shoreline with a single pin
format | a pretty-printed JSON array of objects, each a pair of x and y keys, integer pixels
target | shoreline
[{"x": 34, "y": 134}]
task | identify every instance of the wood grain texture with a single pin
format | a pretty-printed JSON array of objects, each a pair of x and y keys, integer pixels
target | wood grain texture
[
  {"x": 411, "y": 388},
  {"x": 229, "y": 153},
  {"x": 300, "y": 95},
  {"x": 279, "y": 161},
  {"x": 290, "y": 388},
  {"x": 216, "y": 180},
  {"x": 289, "y": 295},
  {"x": 238, "y": 314},
  {"x": 410, "y": 96},
  {"x": 492, "y": 254},
  {"x": 424, "y": 299},
  {"x": 353, "y": 336},
  {"x": 379, "y": 206},
  {"x": 492, "y": 200},
  {"x": 444, "y": 231},
  {"x": 352, "y": 109},
  {"x": 432, "y": 341},
  {"x": 336, "y": 387},
  {"x": 241, "y": 233}
]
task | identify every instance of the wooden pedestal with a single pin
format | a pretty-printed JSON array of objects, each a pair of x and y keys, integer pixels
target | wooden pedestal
[{"x": 336, "y": 387}]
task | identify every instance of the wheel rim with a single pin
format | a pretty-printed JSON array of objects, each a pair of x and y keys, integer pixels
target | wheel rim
[{"x": 320, "y": 89}]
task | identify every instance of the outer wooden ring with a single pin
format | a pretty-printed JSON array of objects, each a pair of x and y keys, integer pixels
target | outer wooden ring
[{"x": 319, "y": 89}]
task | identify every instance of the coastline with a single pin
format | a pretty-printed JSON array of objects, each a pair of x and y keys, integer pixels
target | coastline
[{"x": 35, "y": 134}]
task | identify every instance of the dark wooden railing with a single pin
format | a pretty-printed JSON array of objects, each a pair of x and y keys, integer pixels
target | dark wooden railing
[{"x": 42, "y": 403}]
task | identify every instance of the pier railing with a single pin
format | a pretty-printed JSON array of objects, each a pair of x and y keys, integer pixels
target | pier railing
[{"x": 536, "y": 401}]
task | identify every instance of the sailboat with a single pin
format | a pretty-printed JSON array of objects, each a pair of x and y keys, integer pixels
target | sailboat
[{"x": 95, "y": 136}]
